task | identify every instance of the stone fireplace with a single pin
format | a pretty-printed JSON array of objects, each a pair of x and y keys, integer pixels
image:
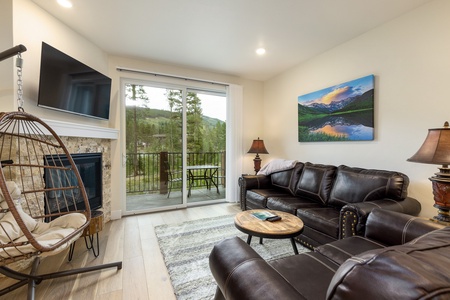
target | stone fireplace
[{"x": 94, "y": 145}]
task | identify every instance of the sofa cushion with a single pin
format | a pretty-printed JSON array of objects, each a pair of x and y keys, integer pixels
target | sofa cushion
[
  {"x": 298, "y": 270},
  {"x": 287, "y": 179},
  {"x": 354, "y": 185},
  {"x": 257, "y": 198},
  {"x": 290, "y": 204},
  {"x": 315, "y": 182},
  {"x": 416, "y": 270},
  {"x": 341, "y": 250},
  {"x": 323, "y": 219}
]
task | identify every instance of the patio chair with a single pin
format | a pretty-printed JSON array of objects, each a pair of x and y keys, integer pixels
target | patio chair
[{"x": 172, "y": 177}]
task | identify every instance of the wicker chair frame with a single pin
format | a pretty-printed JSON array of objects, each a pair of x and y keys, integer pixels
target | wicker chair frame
[{"x": 30, "y": 151}]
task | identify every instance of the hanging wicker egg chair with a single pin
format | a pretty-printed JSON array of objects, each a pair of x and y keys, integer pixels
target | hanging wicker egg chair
[{"x": 43, "y": 203}]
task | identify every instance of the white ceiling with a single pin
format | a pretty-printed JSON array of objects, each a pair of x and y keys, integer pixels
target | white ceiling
[{"x": 222, "y": 35}]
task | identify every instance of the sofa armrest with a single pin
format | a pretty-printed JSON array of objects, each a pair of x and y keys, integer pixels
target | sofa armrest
[
  {"x": 248, "y": 182},
  {"x": 241, "y": 273},
  {"x": 417, "y": 270},
  {"x": 393, "y": 228},
  {"x": 353, "y": 216}
]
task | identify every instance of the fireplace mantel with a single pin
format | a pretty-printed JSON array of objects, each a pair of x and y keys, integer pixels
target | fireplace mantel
[{"x": 82, "y": 130}]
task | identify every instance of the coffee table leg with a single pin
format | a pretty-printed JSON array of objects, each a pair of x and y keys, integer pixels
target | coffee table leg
[
  {"x": 294, "y": 246},
  {"x": 260, "y": 241},
  {"x": 249, "y": 239}
]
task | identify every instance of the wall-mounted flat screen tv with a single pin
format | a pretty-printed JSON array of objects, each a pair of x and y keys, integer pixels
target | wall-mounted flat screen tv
[{"x": 66, "y": 84}]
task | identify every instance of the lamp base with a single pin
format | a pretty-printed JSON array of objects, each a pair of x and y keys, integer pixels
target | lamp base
[
  {"x": 257, "y": 163},
  {"x": 441, "y": 193},
  {"x": 439, "y": 222},
  {"x": 443, "y": 215}
]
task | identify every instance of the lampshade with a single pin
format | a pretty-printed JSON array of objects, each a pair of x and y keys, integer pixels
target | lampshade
[
  {"x": 436, "y": 150},
  {"x": 436, "y": 147},
  {"x": 258, "y": 147}
]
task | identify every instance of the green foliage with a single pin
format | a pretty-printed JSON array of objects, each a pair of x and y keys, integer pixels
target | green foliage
[{"x": 152, "y": 130}]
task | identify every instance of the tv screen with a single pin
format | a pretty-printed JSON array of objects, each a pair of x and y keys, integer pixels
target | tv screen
[{"x": 66, "y": 84}]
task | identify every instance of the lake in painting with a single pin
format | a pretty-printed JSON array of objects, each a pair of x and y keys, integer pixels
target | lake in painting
[{"x": 343, "y": 112}]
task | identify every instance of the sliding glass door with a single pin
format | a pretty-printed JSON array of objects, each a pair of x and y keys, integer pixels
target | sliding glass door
[
  {"x": 206, "y": 144},
  {"x": 175, "y": 146}
]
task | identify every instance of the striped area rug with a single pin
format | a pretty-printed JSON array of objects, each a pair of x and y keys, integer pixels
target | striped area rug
[{"x": 186, "y": 248}]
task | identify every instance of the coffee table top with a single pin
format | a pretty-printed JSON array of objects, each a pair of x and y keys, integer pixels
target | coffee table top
[{"x": 289, "y": 225}]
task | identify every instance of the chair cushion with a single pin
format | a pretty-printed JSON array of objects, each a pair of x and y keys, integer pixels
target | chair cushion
[
  {"x": 9, "y": 228},
  {"x": 341, "y": 250},
  {"x": 48, "y": 234},
  {"x": 309, "y": 273}
]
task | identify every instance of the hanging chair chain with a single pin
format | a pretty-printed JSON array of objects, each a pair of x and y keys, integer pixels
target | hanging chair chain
[{"x": 19, "y": 63}]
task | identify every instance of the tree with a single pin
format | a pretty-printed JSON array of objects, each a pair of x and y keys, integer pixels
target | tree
[
  {"x": 195, "y": 129},
  {"x": 194, "y": 117},
  {"x": 137, "y": 94}
]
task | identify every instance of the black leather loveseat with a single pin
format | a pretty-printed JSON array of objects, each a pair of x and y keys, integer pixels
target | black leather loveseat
[
  {"x": 333, "y": 202},
  {"x": 400, "y": 257}
]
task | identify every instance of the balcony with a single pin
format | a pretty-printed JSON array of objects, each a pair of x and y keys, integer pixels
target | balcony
[{"x": 148, "y": 178}]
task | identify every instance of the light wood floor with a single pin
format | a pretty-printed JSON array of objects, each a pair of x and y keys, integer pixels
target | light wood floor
[{"x": 131, "y": 240}]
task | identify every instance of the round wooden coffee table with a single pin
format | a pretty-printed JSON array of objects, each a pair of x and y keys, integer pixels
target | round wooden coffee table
[{"x": 289, "y": 226}]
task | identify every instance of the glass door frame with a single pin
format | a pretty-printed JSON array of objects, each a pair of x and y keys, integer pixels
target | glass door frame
[{"x": 184, "y": 90}]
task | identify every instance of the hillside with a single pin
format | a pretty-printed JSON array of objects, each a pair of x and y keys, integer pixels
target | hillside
[
  {"x": 157, "y": 116},
  {"x": 365, "y": 101}
]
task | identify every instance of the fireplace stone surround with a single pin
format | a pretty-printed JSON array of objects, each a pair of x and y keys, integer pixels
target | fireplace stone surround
[
  {"x": 93, "y": 145},
  {"x": 84, "y": 138}
]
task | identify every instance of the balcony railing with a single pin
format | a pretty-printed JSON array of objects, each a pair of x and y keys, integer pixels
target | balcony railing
[{"x": 145, "y": 172}]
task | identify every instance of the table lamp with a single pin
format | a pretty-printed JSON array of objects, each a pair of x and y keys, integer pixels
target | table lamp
[
  {"x": 436, "y": 150},
  {"x": 257, "y": 147}
]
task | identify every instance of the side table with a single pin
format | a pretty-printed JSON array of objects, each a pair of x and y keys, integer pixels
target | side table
[{"x": 90, "y": 233}]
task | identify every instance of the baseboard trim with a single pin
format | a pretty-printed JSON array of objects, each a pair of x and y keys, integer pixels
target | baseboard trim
[{"x": 116, "y": 214}]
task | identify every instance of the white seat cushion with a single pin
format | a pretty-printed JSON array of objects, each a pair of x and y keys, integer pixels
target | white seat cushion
[{"x": 48, "y": 234}]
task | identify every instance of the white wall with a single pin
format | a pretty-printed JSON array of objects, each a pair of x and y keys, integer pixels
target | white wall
[
  {"x": 410, "y": 58},
  {"x": 31, "y": 27},
  {"x": 6, "y": 66}
]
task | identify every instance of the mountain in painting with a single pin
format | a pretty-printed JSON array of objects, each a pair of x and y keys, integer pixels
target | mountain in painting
[{"x": 363, "y": 101}]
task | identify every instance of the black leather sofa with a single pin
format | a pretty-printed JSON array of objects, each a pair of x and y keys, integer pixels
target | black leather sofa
[
  {"x": 400, "y": 257},
  {"x": 333, "y": 202}
]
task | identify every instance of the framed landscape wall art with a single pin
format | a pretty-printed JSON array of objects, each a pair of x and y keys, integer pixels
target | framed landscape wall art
[{"x": 342, "y": 112}]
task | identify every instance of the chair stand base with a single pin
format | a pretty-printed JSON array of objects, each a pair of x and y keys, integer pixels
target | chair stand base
[{"x": 32, "y": 279}]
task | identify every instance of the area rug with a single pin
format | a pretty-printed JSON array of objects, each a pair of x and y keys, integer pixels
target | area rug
[{"x": 186, "y": 248}]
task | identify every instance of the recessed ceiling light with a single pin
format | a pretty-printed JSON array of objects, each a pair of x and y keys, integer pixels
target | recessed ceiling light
[
  {"x": 65, "y": 3},
  {"x": 260, "y": 51}
]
